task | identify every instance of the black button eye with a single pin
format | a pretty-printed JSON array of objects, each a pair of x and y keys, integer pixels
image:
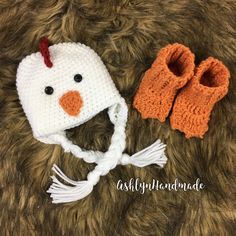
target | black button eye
[
  {"x": 78, "y": 78},
  {"x": 49, "y": 90}
]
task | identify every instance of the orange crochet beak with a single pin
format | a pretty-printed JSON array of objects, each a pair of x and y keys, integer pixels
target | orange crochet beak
[{"x": 71, "y": 102}]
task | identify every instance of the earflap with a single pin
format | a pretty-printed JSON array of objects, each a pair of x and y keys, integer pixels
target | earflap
[
  {"x": 52, "y": 139},
  {"x": 119, "y": 109}
]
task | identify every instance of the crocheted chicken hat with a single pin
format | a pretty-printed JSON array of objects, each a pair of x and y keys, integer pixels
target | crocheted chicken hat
[{"x": 62, "y": 87}]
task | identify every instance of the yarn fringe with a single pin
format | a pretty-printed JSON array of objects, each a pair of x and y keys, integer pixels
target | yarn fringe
[
  {"x": 153, "y": 154},
  {"x": 61, "y": 193}
]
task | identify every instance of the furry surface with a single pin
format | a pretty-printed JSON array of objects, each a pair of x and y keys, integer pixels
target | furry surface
[{"x": 127, "y": 35}]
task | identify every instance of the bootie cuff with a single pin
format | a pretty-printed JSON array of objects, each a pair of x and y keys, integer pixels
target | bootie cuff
[
  {"x": 171, "y": 70},
  {"x": 211, "y": 81},
  {"x": 176, "y": 63}
]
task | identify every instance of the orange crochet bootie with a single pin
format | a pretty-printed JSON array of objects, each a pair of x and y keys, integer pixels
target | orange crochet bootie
[
  {"x": 171, "y": 70},
  {"x": 193, "y": 106}
]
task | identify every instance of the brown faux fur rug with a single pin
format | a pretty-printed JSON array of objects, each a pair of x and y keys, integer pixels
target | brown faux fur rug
[{"x": 127, "y": 35}]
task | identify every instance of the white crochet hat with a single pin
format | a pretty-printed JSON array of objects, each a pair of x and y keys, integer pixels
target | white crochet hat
[{"x": 62, "y": 87}]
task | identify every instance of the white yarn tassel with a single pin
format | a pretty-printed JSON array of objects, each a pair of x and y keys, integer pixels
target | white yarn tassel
[
  {"x": 153, "y": 154},
  {"x": 61, "y": 193}
]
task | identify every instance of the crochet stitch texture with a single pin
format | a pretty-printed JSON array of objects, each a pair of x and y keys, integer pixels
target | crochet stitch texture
[
  {"x": 172, "y": 69},
  {"x": 193, "y": 106},
  {"x": 66, "y": 93},
  {"x": 43, "y": 111}
]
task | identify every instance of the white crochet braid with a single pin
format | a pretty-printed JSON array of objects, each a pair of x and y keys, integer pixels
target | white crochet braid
[{"x": 84, "y": 97}]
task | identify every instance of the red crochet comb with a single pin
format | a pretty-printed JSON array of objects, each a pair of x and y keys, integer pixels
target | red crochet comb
[{"x": 43, "y": 47}]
